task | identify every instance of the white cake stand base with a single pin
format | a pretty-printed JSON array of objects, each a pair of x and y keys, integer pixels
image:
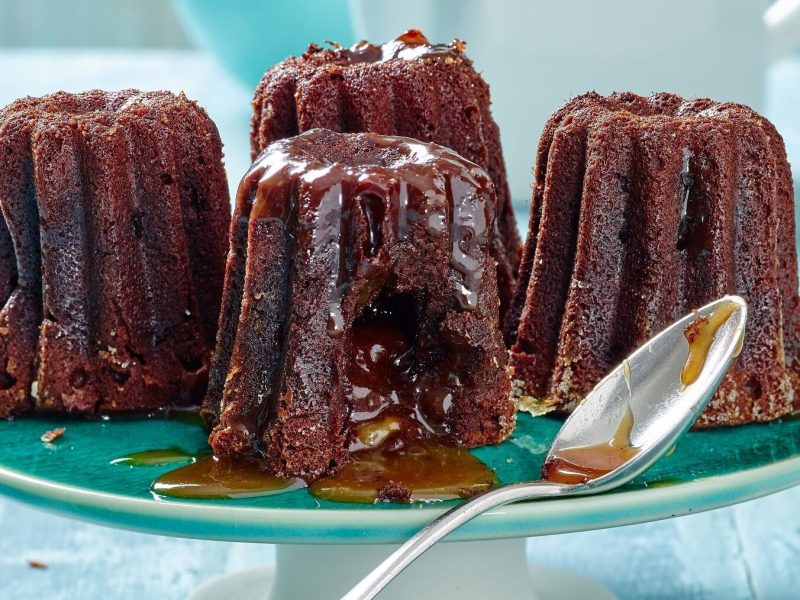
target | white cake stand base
[{"x": 457, "y": 570}]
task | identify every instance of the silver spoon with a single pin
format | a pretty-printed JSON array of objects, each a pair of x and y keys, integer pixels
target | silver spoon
[{"x": 648, "y": 399}]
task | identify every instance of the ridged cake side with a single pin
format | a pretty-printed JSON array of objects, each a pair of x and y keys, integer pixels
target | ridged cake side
[
  {"x": 325, "y": 224},
  {"x": 643, "y": 209},
  {"x": 409, "y": 88},
  {"x": 116, "y": 209}
]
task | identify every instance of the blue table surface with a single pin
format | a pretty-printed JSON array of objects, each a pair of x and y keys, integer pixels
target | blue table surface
[{"x": 747, "y": 551}]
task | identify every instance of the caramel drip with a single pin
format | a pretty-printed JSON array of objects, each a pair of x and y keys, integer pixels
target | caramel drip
[
  {"x": 701, "y": 334},
  {"x": 470, "y": 226},
  {"x": 585, "y": 463},
  {"x": 411, "y": 45},
  {"x": 626, "y": 373}
]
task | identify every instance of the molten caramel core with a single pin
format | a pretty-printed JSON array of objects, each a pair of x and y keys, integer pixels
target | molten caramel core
[{"x": 401, "y": 449}]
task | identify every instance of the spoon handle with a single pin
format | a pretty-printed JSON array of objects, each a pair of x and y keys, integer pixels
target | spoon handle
[{"x": 454, "y": 518}]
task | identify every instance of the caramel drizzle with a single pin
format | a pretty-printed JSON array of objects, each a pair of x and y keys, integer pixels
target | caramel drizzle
[
  {"x": 211, "y": 477},
  {"x": 700, "y": 334}
]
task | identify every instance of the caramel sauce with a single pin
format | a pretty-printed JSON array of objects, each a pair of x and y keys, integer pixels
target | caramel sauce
[
  {"x": 400, "y": 448},
  {"x": 424, "y": 470},
  {"x": 213, "y": 477},
  {"x": 700, "y": 334},
  {"x": 585, "y": 463},
  {"x": 155, "y": 458}
]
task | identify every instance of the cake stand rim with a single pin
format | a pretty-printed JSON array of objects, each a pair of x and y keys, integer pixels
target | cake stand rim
[{"x": 367, "y": 525}]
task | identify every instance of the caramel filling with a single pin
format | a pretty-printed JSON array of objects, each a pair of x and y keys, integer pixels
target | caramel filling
[{"x": 419, "y": 471}]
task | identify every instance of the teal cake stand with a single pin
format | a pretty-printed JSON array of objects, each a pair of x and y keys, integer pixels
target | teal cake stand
[{"x": 325, "y": 547}]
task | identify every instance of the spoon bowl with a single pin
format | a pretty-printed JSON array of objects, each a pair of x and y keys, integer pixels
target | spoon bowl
[
  {"x": 645, "y": 394},
  {"x": 626, "y": 423}
]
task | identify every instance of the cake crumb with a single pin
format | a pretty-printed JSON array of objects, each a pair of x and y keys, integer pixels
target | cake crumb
[
  {"x": 52, "y": 435},
  {"x": 394, "y": 491},
  {"x": 37, "y": 564}
]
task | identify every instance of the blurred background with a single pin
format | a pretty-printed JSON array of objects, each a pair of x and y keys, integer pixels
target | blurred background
[{"x": 535, "y": 54}]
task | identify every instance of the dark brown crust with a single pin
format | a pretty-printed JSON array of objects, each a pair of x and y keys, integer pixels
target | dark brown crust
[
  {"x": 626, "y": 164},
  {"x": 278, "y": 380},
  {"x": 436, "y": 99},
  {"x": 118, "y": 207}
]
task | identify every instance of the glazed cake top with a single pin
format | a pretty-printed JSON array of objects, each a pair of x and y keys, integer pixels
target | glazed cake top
[{"x": 398, "y": 183}]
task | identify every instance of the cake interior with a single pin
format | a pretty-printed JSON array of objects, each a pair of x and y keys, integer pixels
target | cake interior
[
  {"x": 401, "y": 389},
  {"x": 402, "y": 384}
]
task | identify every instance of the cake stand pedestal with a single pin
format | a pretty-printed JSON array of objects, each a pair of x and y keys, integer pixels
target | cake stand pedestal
[{"x": 463, "y": 570}]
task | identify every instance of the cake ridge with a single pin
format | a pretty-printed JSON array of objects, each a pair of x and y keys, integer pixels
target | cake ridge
[{"x": 21, "y": 312}]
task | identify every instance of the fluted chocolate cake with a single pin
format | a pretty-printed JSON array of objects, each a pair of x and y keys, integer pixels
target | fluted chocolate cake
[
  {"x": 644, "y": 208},
  {"x": 360, "y": 304},
  {"x": 112, "y": 250}
]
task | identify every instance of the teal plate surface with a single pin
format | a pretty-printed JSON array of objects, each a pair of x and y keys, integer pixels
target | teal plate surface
[{"x": 73, "y": 476}]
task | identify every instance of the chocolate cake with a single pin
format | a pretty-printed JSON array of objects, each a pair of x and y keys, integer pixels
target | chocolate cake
[
  {"x": 644, "y": 208},
  {"x": 112, "y": 251},
  {"x": 407, "y": 87},
  {"x": 360, "y": 304}
]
